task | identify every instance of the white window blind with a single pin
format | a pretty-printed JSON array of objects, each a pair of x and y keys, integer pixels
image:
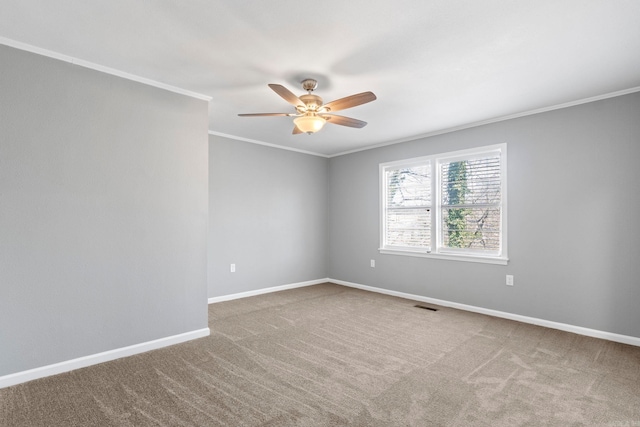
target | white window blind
[
  {"x": 451, "y": 205},
  {"x": 408, "y": 207},
  {"x": 471, "y": 205}
]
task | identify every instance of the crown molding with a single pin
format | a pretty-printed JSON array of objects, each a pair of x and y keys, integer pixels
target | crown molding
[
  {"x": 255, "y": 141},
  {"x": 495, "y": 120},
  {"x": 447, "y": 130},
  {"x": 86, "y": 64}
]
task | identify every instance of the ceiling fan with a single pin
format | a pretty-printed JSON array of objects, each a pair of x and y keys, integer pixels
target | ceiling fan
[{"x": 311, "y": 114}]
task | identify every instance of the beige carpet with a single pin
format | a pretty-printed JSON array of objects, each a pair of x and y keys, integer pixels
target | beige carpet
[{"x": 327, "y": 355}]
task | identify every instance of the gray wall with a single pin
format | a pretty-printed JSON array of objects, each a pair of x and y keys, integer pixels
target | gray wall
[
  {"x": 267, "y": 214},
  {"x": 573, "y": 209},
  {"x": 103, "y": 212}
]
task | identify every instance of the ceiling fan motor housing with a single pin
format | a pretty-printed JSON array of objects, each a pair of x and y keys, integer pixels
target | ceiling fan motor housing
[{"x": 313, "y": 102}]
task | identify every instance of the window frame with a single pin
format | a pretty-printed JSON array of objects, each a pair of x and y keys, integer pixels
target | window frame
[{"x": 436, "y": 249}]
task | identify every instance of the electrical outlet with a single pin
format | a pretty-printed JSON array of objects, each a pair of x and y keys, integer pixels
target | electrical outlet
[
  {"x": 373, "y": 263},
  {"x": 232, "y": 268},
  {"x": 509, "y": 280}
]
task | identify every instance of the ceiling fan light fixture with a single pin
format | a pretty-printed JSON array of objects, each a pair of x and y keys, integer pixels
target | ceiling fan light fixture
[{"x": 309, "y": 123}]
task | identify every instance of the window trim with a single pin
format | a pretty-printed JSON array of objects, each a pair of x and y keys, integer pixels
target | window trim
[{"x": 436, "y": 250}]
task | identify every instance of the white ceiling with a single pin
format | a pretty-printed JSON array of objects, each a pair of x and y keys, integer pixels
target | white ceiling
[{"x": 433, "y": 64}]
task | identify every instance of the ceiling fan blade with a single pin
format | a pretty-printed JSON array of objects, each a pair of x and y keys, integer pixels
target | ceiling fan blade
[
  {"x": 266, "y": 114},
  {"x": 350, "y": 101},
  {"x": 286, "y": 94},
  {"x": 344, "y": 121},
  {"x": 296, "y": 131}
]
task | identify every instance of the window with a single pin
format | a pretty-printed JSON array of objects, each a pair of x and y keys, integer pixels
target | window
[{"x": 451, "y": 206}]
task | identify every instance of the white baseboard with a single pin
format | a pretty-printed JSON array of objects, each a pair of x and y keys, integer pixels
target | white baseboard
[
  {"x": 81, "y": 362},
  {"x": 94, "y": 359},
  {"x": 267, "y": 290},
  {"x": 625, "y": 339}
]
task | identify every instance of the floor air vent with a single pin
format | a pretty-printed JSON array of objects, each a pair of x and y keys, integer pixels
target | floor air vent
[{"x": 426, "y": 307}]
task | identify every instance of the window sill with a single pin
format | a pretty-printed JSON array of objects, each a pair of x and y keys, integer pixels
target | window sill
[{"x": 449, "y": 257}]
